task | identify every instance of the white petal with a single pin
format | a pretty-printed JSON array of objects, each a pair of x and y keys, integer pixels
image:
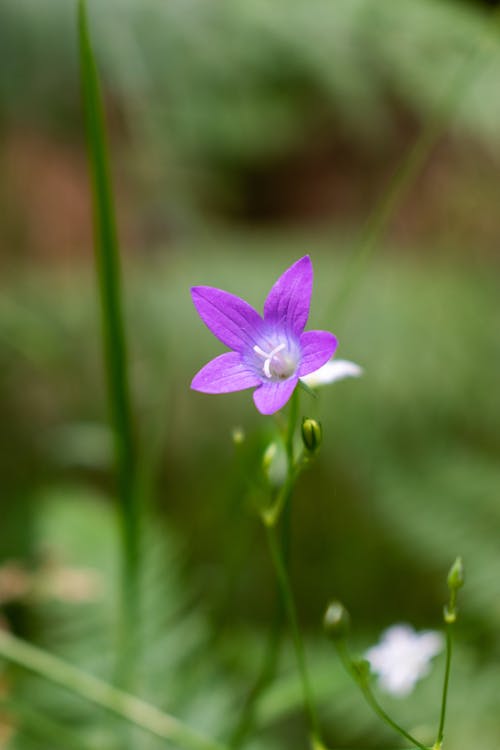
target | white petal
[
  {"x": 403, "y": 657},
  {"x": 335, "y": 369}
]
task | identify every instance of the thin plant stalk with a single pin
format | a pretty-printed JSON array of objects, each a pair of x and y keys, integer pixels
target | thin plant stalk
[
  {"x": 282, "y": 509},
  {"x": 264, "y": 679},
  {"x": 370, "y": 698},
  {"x": 290, "y": 609},
  {"x": 407, "y": 171},
  {"x": 104, "y": 695},
  {"x": 444, "y": 700},
  {"x": 377, "y": 708},
  {"x": 113, "y": 334}
]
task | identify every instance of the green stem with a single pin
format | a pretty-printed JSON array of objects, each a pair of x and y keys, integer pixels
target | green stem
[
  {"x": 264, "y": 679},
  {"x": 290, "y": 432},
  {"x": 377, "y": 708},
  {"x": 407, "y": 171},
  {"x": 449, "y": 644},
  {"x": 91, "y": 688},
  {"x": 281, "y": 508},
  {"x": 113, "y": 334},
  {"x": 370, "y": 698},
  {"x": 289, "y": 605}
]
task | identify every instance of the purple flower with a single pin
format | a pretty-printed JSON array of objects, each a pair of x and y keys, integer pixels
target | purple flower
[{"x": 269, "y": 353}]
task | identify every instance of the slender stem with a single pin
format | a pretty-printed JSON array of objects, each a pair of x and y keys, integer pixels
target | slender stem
[
  {"x": 264, "y": 679},
  {"x": 281, "y": 508},
  {"x": 289, "y": 605},
  {"x": 449, "y": 644},
  {"x": 370, "y": 698},
  {"x": 282, "y": 504},
  {"x": 407, "y": 171},
  {"x": 91, "y": 688},
  {"x": 113, "y": 333},
  {"x": 290, "y": 432},
  {"x": 377, "y": 708},
  {"x": 293, "y": 470}
]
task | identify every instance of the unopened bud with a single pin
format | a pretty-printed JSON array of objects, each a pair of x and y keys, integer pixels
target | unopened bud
[
  {"x": 336, "y": 620},
  {"x": 238, "y": 436},
  {"x": 274, "y": 464},
  {"x": 449, "y": 614},
  {"x": 312, "y": 434},
  {"x": 456, "y": 576},
  {"x": 269, "y": 456}
]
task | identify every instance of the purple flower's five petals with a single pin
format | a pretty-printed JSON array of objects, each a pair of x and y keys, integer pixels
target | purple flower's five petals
[
  {"x": 230, "y": 318},
  {"x": 287, "y": 304},
  {"x": 272, "y": 396},
  {"x": 269, "y": 353},
  {"x": 225, "y": 374},
  {"x": 317, "y": 348}
]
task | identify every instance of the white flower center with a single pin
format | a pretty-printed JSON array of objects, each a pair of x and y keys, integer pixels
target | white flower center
[{"x": 278, "y": 363}]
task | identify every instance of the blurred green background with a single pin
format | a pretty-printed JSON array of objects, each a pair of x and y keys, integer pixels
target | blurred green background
[{"x": 245, "y": 133}]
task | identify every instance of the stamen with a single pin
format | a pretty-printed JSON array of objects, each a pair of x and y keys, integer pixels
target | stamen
[
  {"x": 260, "y": 352},
  {"x": 268, "y": 357},
  {"x": 277, "y": 349}
]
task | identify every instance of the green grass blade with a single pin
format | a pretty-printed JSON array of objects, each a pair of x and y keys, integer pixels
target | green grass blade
[
  {"x": 96, "y": 691},
  {"x": 108, "y": 274}
]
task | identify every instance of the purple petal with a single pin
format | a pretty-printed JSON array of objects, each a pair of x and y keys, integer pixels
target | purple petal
[
  {"x": 287, "y": 304},
  {"x": 225, "y": 374},
  {"x": 230, "y": 318},
  {"x": 272, "y": 396},
  {"x": 317, "y": 348}
]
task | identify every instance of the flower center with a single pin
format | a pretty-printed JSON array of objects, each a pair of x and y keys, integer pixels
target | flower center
[{"x": 278, "y": 363}]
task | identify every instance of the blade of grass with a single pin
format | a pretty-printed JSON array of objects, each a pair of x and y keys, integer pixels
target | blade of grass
[
  {"x": 28, "y": 722},
  {"x": 108, "y": 275},
  {"x": 92, "y": 689}
]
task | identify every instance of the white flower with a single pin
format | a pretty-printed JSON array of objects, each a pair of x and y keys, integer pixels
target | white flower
[
  {"x": 403, "y": 657},
  {"x": 335, "y": 369}
]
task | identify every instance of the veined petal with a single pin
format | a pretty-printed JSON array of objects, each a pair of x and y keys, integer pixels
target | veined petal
[
  {"x": 333, "y": 370},
  {"x": 230, "y": 318},
  {"x": 287, "y": 304},
  {"x": 225, "y": 374},
  {"x": 272, "y": 396},
  {"x": 317, "y": 348}
]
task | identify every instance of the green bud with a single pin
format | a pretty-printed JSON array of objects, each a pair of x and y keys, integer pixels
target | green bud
[
  {"x": 312, "y": 434},
  {"x": 336, "y": 620},
  {"x": 238, "y": 436},
  {"x": 456, "y": 576},
  {"x": 274, "y": 464},
  {"x": 450, "y": 615},
  {"x": 268, "y": 457}
]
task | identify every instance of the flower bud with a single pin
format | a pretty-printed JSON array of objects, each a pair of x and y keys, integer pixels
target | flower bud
[
  {"x": 336, "y": 620},
  {"x": 274, "y": 464},
  {"x": 312, "y": 434},
  {"x": 456, "y": 576},
  {"x": 269, "y": 456},
  {"x": 449, "y": 614},
  {"x": 238, "y": 436}
]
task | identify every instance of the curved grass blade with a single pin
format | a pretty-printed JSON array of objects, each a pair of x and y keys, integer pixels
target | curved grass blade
[{"x": 128, "y": 707}]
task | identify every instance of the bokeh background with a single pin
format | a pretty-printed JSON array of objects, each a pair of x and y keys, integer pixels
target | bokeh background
[{"x": 245, "y": 133}]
